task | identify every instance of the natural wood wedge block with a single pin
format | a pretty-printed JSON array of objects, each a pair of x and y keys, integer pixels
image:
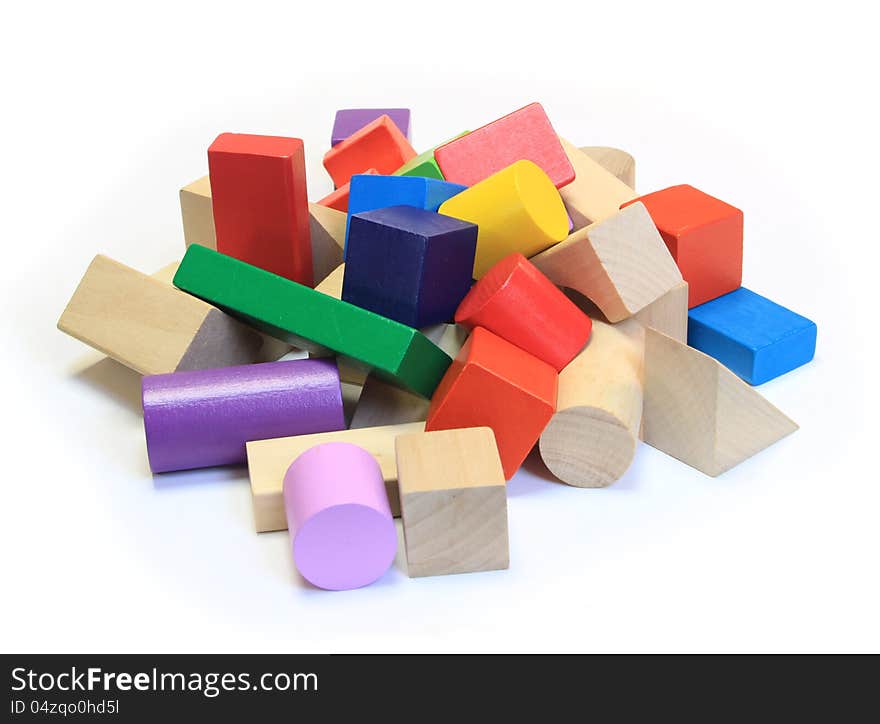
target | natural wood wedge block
[
  {"x": 621, "y": 264},
  {"x": 595, "y": 194},
  {"x": 268, "y": 461},
  {"x": 700, "y": 412},
  {"x": 153, "y": 328},
  {"x": 614, "y": 160},
  {"x": 592, "y": 438}
]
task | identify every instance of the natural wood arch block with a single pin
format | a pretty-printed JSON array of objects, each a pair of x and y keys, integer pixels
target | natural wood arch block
[
  {"x": 268, "y": 461},
  {"x": 326, "y": 226},
  {"x": 700, "y": 412},
  {"x": 595, "y": 194},
  {"x": 153, "y": 328},
  {"x": 615, "y": 161},
  {"x": 453, "y": 501},
  {"x": 621, "y": 263},
  {"x": 592, "y": 438}
]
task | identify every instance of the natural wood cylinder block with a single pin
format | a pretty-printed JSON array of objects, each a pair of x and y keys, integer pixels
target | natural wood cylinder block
[{"x": 591, "y": 440}]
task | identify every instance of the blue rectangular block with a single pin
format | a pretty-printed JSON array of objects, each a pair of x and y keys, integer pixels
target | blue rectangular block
[
  {"x": 754, "y": 338},
  {"x": 368, "y": 192}
]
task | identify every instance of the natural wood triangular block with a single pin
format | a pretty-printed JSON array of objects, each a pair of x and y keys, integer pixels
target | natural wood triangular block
[
  {"x": 698, "y": 411},
  {"x": 614, "y": 160},
  {"x": 621, "y": 263}
]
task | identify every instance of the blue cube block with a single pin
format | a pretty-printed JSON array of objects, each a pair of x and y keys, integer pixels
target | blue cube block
[
  {"x": 371, "y": 191},
  {"x": 753, "y": 337},
  {"x": 409, "y": 264}
]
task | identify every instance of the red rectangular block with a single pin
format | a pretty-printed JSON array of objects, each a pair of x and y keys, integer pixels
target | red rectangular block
[
  {"x": 379, "y": 145},
  {"x": 704, "y": 236},
  {"x": 338, "y": 199},
  {"x": 523, "y": 134},
  {"x": 261, "y": 208}
]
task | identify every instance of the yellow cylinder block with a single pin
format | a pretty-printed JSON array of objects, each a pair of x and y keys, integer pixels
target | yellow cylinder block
[{"x": 517, "y": 209}]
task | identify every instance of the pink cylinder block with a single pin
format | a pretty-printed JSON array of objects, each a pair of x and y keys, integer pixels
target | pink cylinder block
[{"x": 341, "y": 529}]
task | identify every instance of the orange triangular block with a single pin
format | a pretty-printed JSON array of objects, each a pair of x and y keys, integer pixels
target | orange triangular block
[{"x": 698, "y": 411}]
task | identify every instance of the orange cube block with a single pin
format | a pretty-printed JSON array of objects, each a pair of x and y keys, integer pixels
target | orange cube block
[
  {"x": 379, "y": 145},
  {"x": 338, "y": 199},
  {"x": 704, "y": 236},
  {"x": 493, "y": 383}
]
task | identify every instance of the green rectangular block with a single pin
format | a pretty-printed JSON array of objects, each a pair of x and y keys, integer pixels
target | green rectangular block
[
  {"x": 424, "y": 164},
  {"x": 314, "y": 321}
]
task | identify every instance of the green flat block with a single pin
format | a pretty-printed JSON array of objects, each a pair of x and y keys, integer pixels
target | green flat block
[
  {"x": 424, "y": 164},
  {"x": 314, "y": 321}
]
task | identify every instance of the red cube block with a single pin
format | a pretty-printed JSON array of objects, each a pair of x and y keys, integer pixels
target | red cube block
[
  {"x": 493, "y": 383},
  {"x": 704, "y": 236},
  {"x": 261, "y": 208},
  {"x": 379, "y": 145}
]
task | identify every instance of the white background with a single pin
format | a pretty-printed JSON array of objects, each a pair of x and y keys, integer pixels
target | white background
[{"x": 109, "y": 110}]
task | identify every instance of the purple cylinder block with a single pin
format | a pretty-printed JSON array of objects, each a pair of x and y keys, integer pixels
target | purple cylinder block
[{"x": 201, "y": 418}]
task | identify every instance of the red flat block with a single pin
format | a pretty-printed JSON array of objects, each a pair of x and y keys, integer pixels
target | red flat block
[
  {"x": 379, "y": 145},
  {"x": 517, "y": 302},
  {"x": 493, "y": 383},
  {"x": 261, "y": 209},
  {"x": 339, "y": 199},
  {"x": 704, "y": 236},
  {"x": 523, "y": 134}
]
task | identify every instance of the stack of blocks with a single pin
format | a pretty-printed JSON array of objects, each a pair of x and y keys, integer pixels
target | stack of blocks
[{"x": 501, "y": 292}]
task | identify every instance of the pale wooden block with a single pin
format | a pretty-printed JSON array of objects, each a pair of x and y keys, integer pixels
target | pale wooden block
[
  {"x": 453, "y": 501},
  {"x": 592, "y": 438},
  {"x": 382, "y": 403},
  {"x": 615, "y": 161},
  {"x": 700, "y": 412},
  {"x": 668, "y": 313},
  {"x": 621, "y": 264},
  {"x": 326, "y": 226},
  {"x": 198, "y": 214},
  {"x": 152, "y": 327},
  {"x": 268, "y": 461},
  {"x": 595, "y": 194}
]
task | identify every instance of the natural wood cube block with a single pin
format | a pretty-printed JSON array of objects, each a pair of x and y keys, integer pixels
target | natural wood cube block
[{"x": 453, "y": 502}]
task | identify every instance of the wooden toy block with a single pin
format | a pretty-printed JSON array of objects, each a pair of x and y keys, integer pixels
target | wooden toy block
[
  {"x": 250, "y": 402},
  {"x": 166, "y": 273},
  {"x": 592, "y": 438},
  {"x": 197, "y": 214},
  {"x": 517, "y": 302},
  {"x": 379, "y": 145},
  {"x": 424, "y": 164},
  {"x": 516, "y": 209},
  {"x": 495, "y": 384},
  {"x": 704, "y": 236},
  {"x": 261, "y": 211},
  {"x": 378, "y": 192},
  {"x": 326, "y": 226},
  {"x": 350, "y": 120},
  {"x": 621, "y": 263},
  {"x": 152, "y": 327},
  {"x": 383, "y": 404},
  {"x": 338, "y": 198},
  {"x": 268, "y": 461},
  {"x": 408, "y": 264},
  {"x": 453, "y": 501},
  {"x": 327, "y": 231},
  {"x": 615, "y": 161},
  {"x": 595, "y": 194},
  {"x": 523, "y": 134},
  {"x": 698, "y": 411},
  {"x": 341, "y": 530},
  {"x": 332, "y": 286},
  {"x": 308, "y": 319},
  {"x": 753, "y": 337}
]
